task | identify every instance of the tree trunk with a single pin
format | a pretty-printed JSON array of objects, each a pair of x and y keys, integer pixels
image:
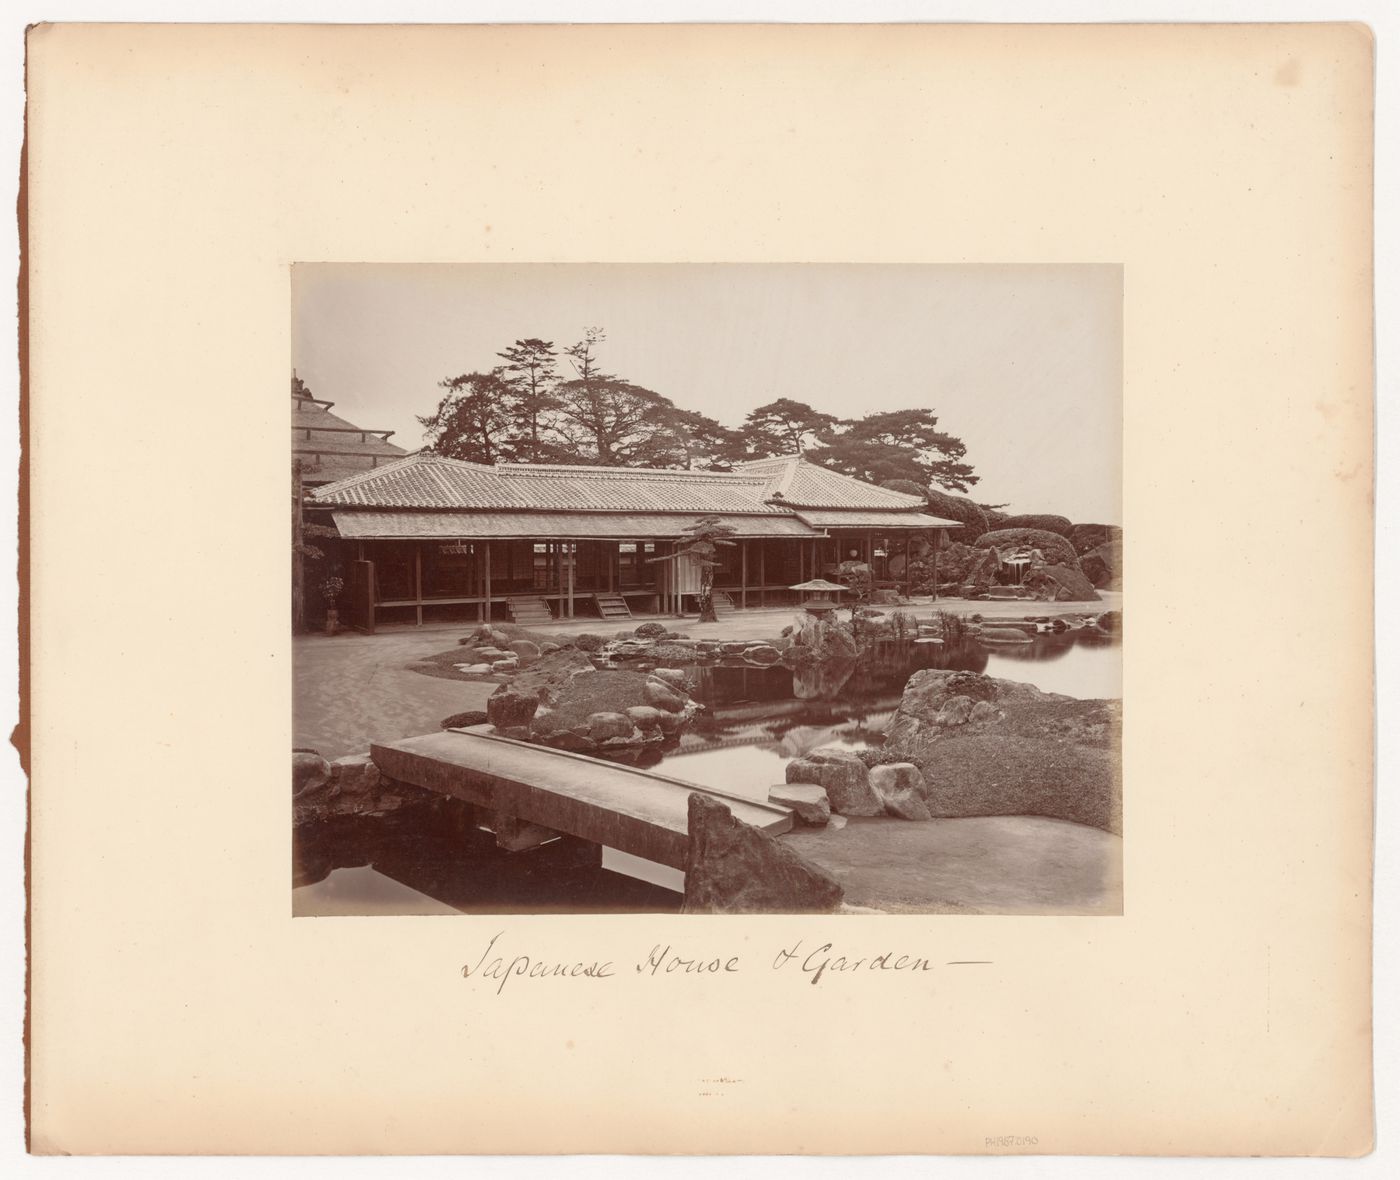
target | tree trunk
[{"x": 707, "y": 600}]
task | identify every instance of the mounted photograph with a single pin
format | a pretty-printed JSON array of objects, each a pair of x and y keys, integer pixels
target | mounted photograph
[{"x": 706, "y": 589}]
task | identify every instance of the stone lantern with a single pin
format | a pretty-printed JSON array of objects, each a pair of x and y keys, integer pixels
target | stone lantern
[{"x": 817, "y": 596}]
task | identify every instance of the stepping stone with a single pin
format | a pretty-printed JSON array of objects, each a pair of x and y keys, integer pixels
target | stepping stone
[{"x": 807, "y": 800}]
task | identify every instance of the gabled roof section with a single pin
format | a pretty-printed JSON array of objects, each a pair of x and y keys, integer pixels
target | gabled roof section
[
  {"x": 800, "y": 483},
  {"x": 434, "y": 482},
  {"x": 821, "y": 498},
  {"x": 332, "y": 448}
]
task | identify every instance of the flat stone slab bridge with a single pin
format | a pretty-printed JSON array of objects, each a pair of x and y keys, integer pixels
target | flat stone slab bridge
[{"x": 528, "y": 794}]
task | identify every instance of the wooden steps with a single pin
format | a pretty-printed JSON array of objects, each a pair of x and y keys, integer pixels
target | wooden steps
[
  {"x": 724, "y": 605},
  {"x": 529, "y": 611},
  {"x": 612, "y": 606},
  {"x": 622, "y": 807}
]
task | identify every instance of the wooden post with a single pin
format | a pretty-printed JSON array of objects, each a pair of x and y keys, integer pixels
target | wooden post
[
  {"x": 487, "y": 605},
  {"x": 610, "y": 555},
  {"x": 559, "y": 573},
  {"x": 573, "y": 560},
  {"x": 743, "y": 575},
  {"x": 418, "y": 580},
  {"x": 762, "y": 574}
]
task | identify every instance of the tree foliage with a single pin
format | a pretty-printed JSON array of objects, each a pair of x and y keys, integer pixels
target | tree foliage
[
  {"x": 703, "y": 538},
  {"x": 784, "y": 427},
  {"x": 527, "y": 410},
  {"x": 897, "y": 444}
]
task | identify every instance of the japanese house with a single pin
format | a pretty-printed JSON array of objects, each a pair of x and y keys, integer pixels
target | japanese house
[{"x": 428, "y": 537}]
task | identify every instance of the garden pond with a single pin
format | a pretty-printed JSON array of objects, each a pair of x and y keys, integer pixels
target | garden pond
[{"x": 756, "y": 720}]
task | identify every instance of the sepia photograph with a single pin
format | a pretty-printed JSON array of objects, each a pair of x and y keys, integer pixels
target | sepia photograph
[{"x": 706, "y": 589}]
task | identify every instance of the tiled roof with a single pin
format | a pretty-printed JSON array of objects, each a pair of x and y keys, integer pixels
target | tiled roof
[
  {"x": 329, "y": 447},
  {"x": 867, "y": 518},
  {"x": 562, "y": 498},
  {"x": 432, "y": 481},
  {"x": 806, "y": 485},
  {"x": 594, "y": 525}
]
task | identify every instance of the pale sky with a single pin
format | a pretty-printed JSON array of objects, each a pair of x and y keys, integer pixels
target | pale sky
[{"x": 1023, "y": 363}]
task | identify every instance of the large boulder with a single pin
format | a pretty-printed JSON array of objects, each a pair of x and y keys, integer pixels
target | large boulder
[
  {"x": 1103, "y": 565},
  {"x": 734, "y": 868},
  {"x": 844, "y": 777},
  {"x": 508, "y": 707},
  {"x": 1026, "y": 753},
  {"x": 1060, "y": 583}
]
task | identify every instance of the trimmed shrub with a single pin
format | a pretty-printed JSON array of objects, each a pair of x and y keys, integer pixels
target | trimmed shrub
[
  {"x": 974, "y": 520},
  {"x": 905, "y": 486},
  {"x": 955, "y": 560},
  {"x": 588, "y": 641},
  {"x": 1090, "y": 536},
  {"x": 1057, "y": 550},
  {"x": 650, "y": 631},
  {"x": 1048, "y": 524},
  {"x": 995, "y": 516}
]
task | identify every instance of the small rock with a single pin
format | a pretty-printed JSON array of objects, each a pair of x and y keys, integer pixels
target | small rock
[
  {"x": 355, "y": 774},
  {"x": 733, "y": 648},
  {"x": 807, "y": 800},
  {"x": 906, "y": 804},
  {"x": 663, "y": 696},
  {"x": 602, "y": 726},
  {"x": 547, "y": 647},
  {"x": 763, "y": 653},
  {"x": 505, "y": 665},
  {"x": 475, "y": 669},
  {"x": 894, "y": 777},
  {"x": 309, "y": 772},
  {"x": 672, "y": 676},
  {"x": 669, "y": 722},
  {"x": 646, "y": 717},
  {"x": 955, "y": 711},
  {"x": 527, "y": 651},
  {"x": 984, "y": 711},
  {"x": 500, "y": 638}
]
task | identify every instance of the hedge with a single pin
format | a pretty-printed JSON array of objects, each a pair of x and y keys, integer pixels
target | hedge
[
  {"x": 974, "y": 520},
  {"x": 1046, "y": 523},
  {"x": 1056, "y": 549},
  {"x": 1090, "y": 536}
]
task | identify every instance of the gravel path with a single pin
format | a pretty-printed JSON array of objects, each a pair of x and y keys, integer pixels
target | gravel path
[{"x": 352, "y": 689}]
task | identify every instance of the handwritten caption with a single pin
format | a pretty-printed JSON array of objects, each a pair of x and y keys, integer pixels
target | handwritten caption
[{"x": 813, "y": 961}]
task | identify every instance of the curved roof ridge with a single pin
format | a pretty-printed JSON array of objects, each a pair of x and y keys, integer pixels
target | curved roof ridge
[{"x": 586, "y": 471}]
